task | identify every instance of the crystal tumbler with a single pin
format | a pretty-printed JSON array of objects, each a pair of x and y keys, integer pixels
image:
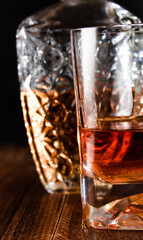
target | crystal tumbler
[{"x": 108, "y": 78}]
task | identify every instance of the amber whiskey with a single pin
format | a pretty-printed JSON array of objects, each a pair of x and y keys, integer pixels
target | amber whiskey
[
  {"x": 112, "y": 156},
  {"x": 50, "y": 123}
]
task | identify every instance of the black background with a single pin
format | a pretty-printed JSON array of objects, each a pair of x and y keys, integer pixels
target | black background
[{"x": 11, "y": 14}]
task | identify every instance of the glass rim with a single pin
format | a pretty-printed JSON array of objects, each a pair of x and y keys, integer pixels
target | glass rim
[{"x": 112, "y": 27}]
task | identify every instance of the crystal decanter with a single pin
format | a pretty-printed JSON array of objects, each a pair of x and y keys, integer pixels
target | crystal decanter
[{"x": 46, "y": 84}]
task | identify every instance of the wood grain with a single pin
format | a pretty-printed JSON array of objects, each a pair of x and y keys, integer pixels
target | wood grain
[
  {"x": 91, "y": 234},
  {"x": 28, "y": 212},
  {"x": 15, "y": 177},
  {"x": 70, "y": 223},
  {"x": 36, "y": 218}
]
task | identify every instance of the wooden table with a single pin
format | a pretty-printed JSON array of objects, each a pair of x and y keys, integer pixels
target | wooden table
[{"x": 28, "y": 212}]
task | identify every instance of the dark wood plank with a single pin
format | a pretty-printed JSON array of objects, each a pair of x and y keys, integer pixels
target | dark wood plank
[
  {"x": 91, "y": 234},
  {"x": 69, "y": 226},
  {"x": 17, "y": 172},
  {"x": 27, "y": 210},
  {"x": 37, "y": 215}
]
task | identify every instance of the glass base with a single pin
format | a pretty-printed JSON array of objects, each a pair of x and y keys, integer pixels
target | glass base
[
  {"x": 107, "y": 206},
  {"x": 67, "y": 187},
  {"x": 90, "y": 233},
  {"x": 125, "y": 223}
]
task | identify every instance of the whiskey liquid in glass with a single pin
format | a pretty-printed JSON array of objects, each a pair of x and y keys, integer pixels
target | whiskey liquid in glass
[{"x": 108, "y": 75}]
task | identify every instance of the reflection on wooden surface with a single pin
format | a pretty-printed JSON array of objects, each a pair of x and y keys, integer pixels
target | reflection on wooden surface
[
  {"x": 28, "y": 212},
  {"x": 91, "y": 234}
]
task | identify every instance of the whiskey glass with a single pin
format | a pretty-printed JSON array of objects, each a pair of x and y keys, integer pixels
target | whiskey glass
[{"x": 108, "y": 80}]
